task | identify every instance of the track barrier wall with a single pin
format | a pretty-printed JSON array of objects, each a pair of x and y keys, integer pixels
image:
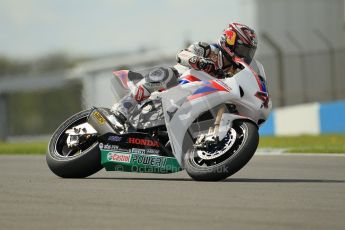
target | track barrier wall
[{"x": 306, "y": 119}]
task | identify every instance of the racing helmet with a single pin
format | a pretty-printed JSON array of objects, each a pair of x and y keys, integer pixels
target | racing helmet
[{"x": 238, "y": 40}]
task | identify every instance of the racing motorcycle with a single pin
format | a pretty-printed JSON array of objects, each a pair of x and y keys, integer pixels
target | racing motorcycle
[{"x": 205, "y": 125}]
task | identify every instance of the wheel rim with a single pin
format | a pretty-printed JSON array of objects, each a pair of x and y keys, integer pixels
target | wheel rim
[
  {"x": 231, "y": 144},
  {"x": 62, "y": 151}
]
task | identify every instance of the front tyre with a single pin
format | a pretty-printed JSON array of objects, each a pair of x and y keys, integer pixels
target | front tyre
[
  {"x": 216, "y": 168},
  {"x": 78, "y": 162}
]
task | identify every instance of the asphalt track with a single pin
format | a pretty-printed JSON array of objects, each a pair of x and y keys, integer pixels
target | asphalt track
[{"x": 271, "y": 192}]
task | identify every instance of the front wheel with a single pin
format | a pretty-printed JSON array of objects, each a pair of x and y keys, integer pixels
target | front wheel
[
  {"x": 225, "y": 159},
  {"x": 77, "y": 162}
]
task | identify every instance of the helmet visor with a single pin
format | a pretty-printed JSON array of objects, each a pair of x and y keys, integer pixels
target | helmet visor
[{"x": 245, "y": 52}]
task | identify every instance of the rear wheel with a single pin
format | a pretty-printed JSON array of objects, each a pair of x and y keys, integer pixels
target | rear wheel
[
  {"x": 76, "y": 162},
  {"x": 229, "y": 156}
]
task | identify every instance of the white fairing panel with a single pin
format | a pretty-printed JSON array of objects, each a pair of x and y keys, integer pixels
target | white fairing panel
[
  {"x": 179, "y": 117},
  {"x": 181, "y": 108}
]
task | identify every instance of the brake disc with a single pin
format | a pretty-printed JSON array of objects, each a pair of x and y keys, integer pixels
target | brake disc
[{"x": 227, "y": 143}]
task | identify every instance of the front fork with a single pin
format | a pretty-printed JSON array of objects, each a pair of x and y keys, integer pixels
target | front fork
[
  {"x": 212, "y": 137},
  {"x": 213, "y": 131}
]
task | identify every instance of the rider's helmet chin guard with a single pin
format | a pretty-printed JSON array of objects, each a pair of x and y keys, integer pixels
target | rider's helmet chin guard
[{"x": 238, "y": 40}]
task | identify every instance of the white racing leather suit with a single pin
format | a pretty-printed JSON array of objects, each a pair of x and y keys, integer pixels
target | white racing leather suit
[{"x": 199, "y": 56}]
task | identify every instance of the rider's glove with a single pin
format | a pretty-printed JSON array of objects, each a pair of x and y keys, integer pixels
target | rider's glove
[
  {"x": 204, "y": 64},
  {"x": 207, "y": 65}
]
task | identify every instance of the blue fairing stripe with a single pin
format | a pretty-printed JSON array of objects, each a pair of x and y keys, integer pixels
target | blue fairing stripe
[
  {"x": 264, "y": 87},
  {"x": 205, "y": 89},
  {"x": 182, "y": 82}
]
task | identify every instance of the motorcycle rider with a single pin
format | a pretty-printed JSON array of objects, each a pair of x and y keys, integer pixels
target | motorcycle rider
[{"x": 236, "y": 41}]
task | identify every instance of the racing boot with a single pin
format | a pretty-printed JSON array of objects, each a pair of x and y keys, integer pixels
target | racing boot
[{"x": 121, "y": 112}]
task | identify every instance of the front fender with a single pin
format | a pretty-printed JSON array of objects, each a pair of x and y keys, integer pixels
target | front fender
[
  {"x": 227, "y": 121},
  {"x": 180, "y": 112}
]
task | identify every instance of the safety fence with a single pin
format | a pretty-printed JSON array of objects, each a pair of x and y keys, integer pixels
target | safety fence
[{"x": 303, "y": 77}]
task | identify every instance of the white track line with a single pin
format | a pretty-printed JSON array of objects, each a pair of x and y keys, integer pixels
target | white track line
[{"x": 282, "y": 152}]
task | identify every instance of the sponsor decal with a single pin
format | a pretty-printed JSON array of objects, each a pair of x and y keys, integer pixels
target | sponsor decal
[
  {"x": 115, "y": 138},
  {"x": 98, "y": 117},
  {"x": 222, "y": 84},
  {"x": 230, "y": 37},
  {"x": 119, "y": 157},
  {"x": 145, "y": 142},
  {"x": 145, "y": 151},
  {"x": 149, "y": 160},
  {"x": 108, "y": 146},
  {"x": 152, "y": 151},
  {"x": 140, "y": 151},
  {"x": 140, "y": 95}
]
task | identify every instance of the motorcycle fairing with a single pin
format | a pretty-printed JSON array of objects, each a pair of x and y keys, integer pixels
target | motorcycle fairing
[
  {"x": 181, "y": 108},
  {"x": 135, "y": 152},
  {"x": 196, "y": 94}
]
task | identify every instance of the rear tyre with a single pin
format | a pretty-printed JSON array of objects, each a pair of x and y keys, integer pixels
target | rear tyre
[
  {"x": 73, "y": 162},
  {"x": 244, "y": 147}
]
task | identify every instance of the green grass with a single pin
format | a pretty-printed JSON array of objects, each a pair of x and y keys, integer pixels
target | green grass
[
  {"x": 23, "y": 148},
  {"x": 306, "y": 144},
  {"x": 300, "y": 144}
]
